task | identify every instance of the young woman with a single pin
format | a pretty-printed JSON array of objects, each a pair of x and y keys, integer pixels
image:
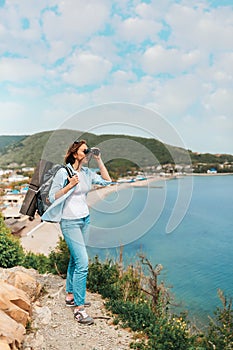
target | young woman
[{"x": 69, "y": 207}]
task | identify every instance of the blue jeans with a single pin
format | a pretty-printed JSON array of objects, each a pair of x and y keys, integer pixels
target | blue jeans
[{"x": 75, "y": 233}]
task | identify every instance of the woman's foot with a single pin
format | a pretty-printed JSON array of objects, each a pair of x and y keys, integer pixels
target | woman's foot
[
  {"x": 70, "y": 301},
  {"x": 82, "y": 317}
]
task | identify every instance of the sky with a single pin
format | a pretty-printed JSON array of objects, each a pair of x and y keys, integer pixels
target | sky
[{"x": 60, "y": 58}]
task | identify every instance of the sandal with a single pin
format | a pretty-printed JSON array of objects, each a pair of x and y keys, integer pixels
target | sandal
[
  {"x": 82, "y": 317},
  {"x": 71, "y": 303}
]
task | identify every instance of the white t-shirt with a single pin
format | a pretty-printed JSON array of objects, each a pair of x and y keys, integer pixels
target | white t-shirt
[{"x": 75, "y": 206}]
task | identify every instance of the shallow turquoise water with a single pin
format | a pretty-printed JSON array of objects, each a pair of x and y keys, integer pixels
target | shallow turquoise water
[{"x": 196, "y": 256}]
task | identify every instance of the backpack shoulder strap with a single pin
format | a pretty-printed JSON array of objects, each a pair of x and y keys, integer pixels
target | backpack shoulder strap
[{"x": 69, "y": 171}]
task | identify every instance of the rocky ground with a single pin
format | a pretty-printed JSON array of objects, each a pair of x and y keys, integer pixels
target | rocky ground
[{"x": 53, "y": 325}]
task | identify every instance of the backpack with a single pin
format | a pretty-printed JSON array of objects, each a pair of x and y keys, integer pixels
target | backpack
[{"x": 36, "y": 198}]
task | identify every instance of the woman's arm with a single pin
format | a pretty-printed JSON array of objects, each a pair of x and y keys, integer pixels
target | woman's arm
[
  {"x": 103, "y": 170},
  {"x": 59, "y": 186},
  {"x": 73, "y": 181}
]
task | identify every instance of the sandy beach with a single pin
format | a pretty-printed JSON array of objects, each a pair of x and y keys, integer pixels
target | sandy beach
[
  {"x": 100, "y": 193},
  {"x": 42, "y": 237}
]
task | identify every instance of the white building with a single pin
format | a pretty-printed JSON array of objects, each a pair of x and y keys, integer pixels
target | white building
[{"x": 16, "y": 178}]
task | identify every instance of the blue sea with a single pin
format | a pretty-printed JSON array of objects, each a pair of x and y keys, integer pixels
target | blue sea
[{"x": 196, "y": 254}]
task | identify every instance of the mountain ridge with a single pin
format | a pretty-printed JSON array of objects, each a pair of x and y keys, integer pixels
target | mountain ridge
[{"x": 52, "y": 145}]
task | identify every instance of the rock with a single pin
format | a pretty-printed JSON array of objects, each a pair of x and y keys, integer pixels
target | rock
[
  {"x": 6, "y": 272},
  {"x": 18, "y": 287},
  {"x": 14, "y": 303},
  {"x": 14, "y": 311},
  {"x": 25, "y": 282},
  {"x": 4, "y": 345},
  {"x": 11, "y": 332},
  {"x": 42, "y": 314},
  {"x": 15, "y": 295},
  {"x": 34, "y": 342}
]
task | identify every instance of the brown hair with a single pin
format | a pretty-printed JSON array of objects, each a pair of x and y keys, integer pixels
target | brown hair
[{"x": 69, "y": 158}]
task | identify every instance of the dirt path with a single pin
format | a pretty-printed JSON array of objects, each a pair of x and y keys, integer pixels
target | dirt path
[{"x": 54, "y": 328}]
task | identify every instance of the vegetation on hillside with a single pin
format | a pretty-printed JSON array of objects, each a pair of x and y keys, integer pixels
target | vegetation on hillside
[
  {"x": 135, "y": 296},
  {"x": 126, "y": 152},
  {"x": 11, "y": 251},
  {"x": 7, "y": 140}
]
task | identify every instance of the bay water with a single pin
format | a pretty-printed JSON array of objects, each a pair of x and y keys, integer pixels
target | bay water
[{"x": 197, "y": 256}]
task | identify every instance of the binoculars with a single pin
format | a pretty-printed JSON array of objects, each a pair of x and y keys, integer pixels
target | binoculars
[{"x": 94, "y": 150}]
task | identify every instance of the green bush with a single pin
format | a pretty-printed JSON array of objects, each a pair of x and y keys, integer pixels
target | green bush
[
  {"x": 39, "y": 262},
  {"x": 220, "y": 331},
  {"x": 11, "y": 251},
  {"x": 59, "y": 259},
  {"x": 161, "y": 333},
  {"x": 130, "y": 284},
  {"x": 132, "y": 308},
  {"x": 103, "y": 277},
  {"x": 171, "y": 334},
  {"x": 139, "y": 317}
]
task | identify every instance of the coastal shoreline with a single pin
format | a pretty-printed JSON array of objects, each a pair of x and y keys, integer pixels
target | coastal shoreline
[
  {"x": 205, "y": 174},
  {"x": 43, "y": 237},
  {"x": 100, "y": 193}
]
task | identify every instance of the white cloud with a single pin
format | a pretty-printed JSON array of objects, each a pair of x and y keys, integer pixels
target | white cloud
[
  {"x": 70, "y": 102},
  {"x": 105, "y": 47},
  {"x": 115, "y": 53},
  {"x": 58, "y": 49},
  {"x": 152, "y": 10},
  {"x": 137, "y": 30},
  {"x": 53, "y": 118},
  {"x": 86, "y": 69},
  {"x": 53, "y": 30},
  {"x": 211, "y": 134},
  {"x": 223, "y": 68},
  {"x": 3, "y": 30},
  {"x": 19, "y": 70},
  {"x": 220, "y": 103},
  {"x": 176, "y": 96},
  {"x": 13, "y": 115},
  {"x": 122, "y": 90},
  {"x": 22, "y": 42},
  {"x": 195, "y": 27},
  {"x": 146, "y": 11},
  {"x": 157, "y": 59},
  {"x": 18, "y": 92},
  {"x": 75, "y": 20},
  {"x": 12, "y": 17},
  {"x": 25, "y": 8},
  {"x": 121, "y": 77}
]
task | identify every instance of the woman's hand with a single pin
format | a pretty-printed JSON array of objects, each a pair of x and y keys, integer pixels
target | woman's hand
[
  {"x": 97, "y": 157},
  {"x": 73, "y": 181},
  {"x": 103, "y": 171}
]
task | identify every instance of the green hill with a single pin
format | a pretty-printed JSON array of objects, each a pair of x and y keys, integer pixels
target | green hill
[
  {"x": 118, "y": 150},
  {"x": 7, "y": 140},
  {"x": 52, "y": 145}
]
